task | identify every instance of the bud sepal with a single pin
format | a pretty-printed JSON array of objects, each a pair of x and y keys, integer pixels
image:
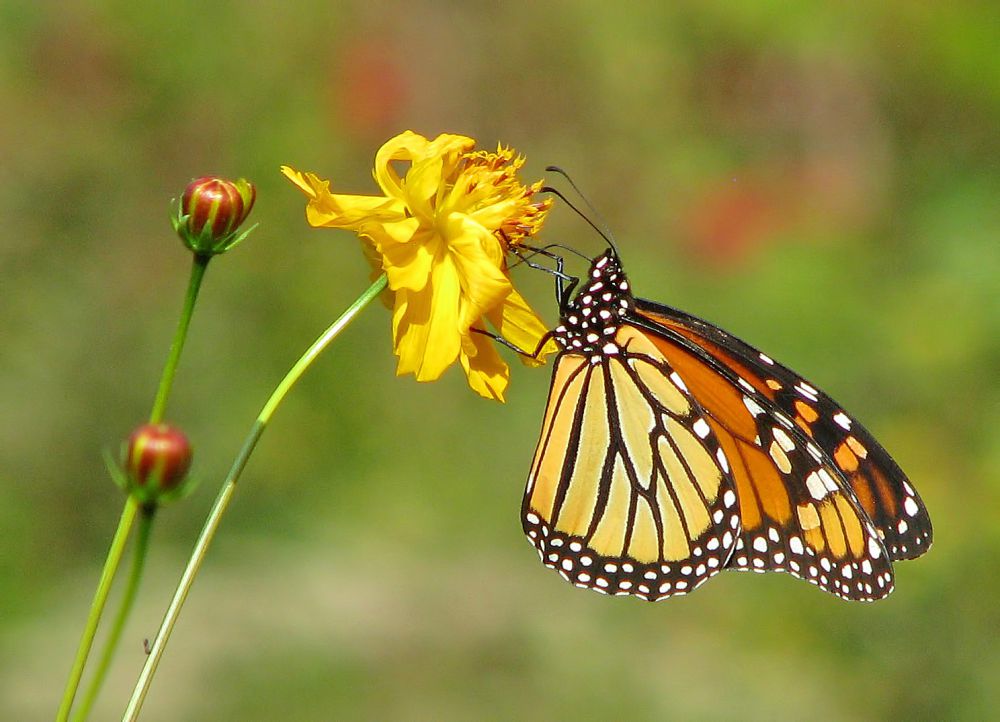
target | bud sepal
[{"x": 210, "y": 213}]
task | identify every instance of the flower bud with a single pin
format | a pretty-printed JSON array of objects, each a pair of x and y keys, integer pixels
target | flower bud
[
  {"x": 211, "y": 212},
  {"x": 157, "y": 460}
]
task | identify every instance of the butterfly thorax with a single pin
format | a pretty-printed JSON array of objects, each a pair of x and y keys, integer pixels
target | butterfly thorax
[{"x": 591, "y": 320}]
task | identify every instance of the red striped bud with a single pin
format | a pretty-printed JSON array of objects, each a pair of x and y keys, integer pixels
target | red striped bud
[
  {"x": 211, "y": 212},
  {"x": 157, "y": 460}
]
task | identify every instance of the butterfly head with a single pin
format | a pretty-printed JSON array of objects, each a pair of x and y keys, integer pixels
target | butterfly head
[{"x": 591, "y": 320}]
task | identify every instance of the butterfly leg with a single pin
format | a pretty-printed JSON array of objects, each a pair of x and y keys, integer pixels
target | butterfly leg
[
  {"x": 513, "y": 347},
  {"x": 563, "y": 292}
]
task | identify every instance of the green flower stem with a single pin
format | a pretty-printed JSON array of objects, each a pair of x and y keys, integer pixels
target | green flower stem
[
  {"x": 198, "y": 268},
  {"x": 100, "y": 597},
  {"x": 226, "y": 494},
  {"x": 111, "y": 563},
  {"x": 128, "y": 600}
]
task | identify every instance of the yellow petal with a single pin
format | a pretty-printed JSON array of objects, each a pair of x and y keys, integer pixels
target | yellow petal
[
  {"x": 492, "y": 216},
  {"x": 422, "y": 184},
  {"x": 515, "y": 321},
  {"x": 443, "y": 339},
  {"x": 400, "y": 231},
  {"x": 487, "y": 374},
  {"x": 426, "y": 337},
  {"x": 409, "y": 146},
  {"x": 329, "y": 210},
  {"x": 300, "y": 179},
  {"x": 404, "y": 146},
  {"x": 408, "y": 265},
  {"x": 484, "y": 285},
  {"x": 350, "y": 212}
]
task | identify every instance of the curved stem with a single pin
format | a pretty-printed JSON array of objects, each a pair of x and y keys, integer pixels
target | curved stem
[
  {"x": 198, "y": 267},
  {"x": 97, "y": 606},
  {"x": 226, "y": 494},
  {"x": 125, "y": 608}
]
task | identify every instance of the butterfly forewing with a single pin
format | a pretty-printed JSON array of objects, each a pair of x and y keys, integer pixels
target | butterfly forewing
[{"x": 880, "y": 486}]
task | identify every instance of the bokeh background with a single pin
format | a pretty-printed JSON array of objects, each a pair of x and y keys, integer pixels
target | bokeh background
[{"x": 820, "y": 179}]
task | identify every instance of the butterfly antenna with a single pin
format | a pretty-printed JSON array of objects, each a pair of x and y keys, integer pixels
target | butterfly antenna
[
  {"x": 600, "y": 231},
  {"x": 604, "y": 230}
]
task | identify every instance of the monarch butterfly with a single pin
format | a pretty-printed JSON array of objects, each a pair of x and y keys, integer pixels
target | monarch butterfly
[{"x": 671, "y": 450}]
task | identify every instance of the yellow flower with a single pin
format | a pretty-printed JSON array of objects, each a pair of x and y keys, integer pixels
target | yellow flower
[{"x": 441, "y": 233}]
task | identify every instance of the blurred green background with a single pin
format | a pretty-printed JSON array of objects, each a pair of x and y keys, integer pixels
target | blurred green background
[{"x": 821, "y": 181}]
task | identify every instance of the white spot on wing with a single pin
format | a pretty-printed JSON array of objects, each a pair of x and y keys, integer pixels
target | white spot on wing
[
  {"x": 752, "y": 406},
  {"x": 842, "y": 420},
  {"x": 807, "y": 391},
  {"x": 828, "y": 481},
  {"x": 782, "y": 438},
  {"x": 816, "y": 486}
]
